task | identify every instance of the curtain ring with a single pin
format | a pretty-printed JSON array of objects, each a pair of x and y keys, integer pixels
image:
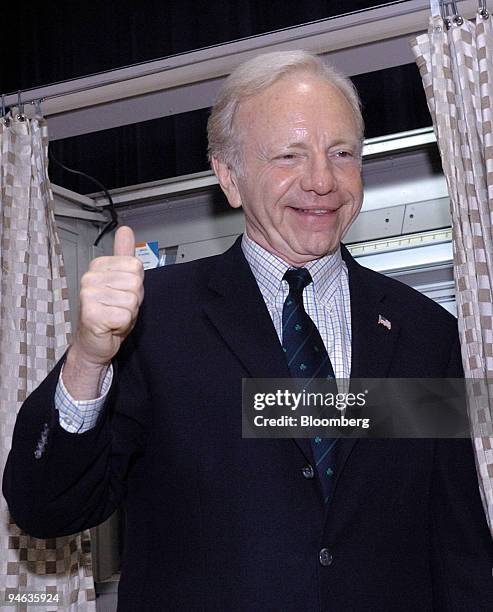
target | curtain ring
[
  {"x": 444, "y": 12},
  {"x": 444, "y": 5},
  {"x": 20, "y": 107},
  {"x": 449, "y": 16},
  {"x": 455, "y": 11},
  {"x": 37, "y": 106},
  {"x": 482, "y": 10}
]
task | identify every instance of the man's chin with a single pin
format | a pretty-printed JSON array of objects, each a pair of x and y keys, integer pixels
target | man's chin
[
  {"x": 302, "y": 255},
  {"x": 296, "y": 253}
]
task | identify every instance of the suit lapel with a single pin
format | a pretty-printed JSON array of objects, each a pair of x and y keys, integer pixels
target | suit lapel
[
  {"x": 237, "y": 310},
  {"x": 373, "y": 343}
]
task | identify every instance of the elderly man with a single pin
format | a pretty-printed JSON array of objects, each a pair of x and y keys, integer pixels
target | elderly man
[{"x": 220, "y": 523}]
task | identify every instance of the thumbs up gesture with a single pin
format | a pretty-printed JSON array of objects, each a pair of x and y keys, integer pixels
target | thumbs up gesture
[{"x": 111, "y": 292}]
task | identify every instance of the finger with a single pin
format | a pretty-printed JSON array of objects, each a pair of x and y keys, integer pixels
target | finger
[
  {"x": 101, "y": 296},
  {"x": 121, "y": 281},
  {"x": 112, "y": 278},
  {"x": 124, "y": 241},
  {"x": 109, "y": 318},
  {"x": 112, "y": 265}
]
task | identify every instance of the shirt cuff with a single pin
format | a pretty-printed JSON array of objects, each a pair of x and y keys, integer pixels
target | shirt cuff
[{"x": 78, "y": 416}]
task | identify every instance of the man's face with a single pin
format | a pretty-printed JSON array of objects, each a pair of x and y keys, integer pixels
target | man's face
[{"x": 300, "y": 182}]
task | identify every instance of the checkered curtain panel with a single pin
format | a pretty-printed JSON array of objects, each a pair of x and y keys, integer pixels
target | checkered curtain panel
[
  {"x": 455, "y": 60},
  {"x": 34, "y": 331}
]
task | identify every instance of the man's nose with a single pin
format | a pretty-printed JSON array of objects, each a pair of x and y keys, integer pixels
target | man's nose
[{"x": 319, "y": 176}]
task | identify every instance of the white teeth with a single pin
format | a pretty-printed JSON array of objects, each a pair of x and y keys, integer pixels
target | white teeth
[{"x": 316, "y": 211}]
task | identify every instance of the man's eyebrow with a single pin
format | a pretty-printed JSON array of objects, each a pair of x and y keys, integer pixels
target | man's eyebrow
[
  {"x": 298, "y": 144},
  {"x": 338, "y": 143},
  {"x": 350, "y": 142}
]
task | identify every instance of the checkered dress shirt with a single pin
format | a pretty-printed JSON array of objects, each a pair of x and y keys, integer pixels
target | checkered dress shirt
[{"x": 326, "y": 301}]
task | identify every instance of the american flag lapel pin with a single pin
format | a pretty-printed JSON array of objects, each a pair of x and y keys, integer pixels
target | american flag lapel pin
[{"x": 385, "y": 322}]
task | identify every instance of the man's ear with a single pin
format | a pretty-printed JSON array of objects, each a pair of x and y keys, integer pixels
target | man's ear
[{"x": 228, "y": 180}]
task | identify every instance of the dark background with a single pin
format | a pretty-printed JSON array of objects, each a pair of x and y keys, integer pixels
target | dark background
[{"x": 55, "y": 41}]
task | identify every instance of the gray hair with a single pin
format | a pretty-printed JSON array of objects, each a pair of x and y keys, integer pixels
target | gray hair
[{"x": 253, "y": 77}]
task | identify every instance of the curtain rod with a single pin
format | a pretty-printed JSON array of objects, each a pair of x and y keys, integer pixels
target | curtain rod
[
  {"x": 204, "y": 68},
  {"x": 37, "y": 100},
  {"x": 22, "y": 100}
]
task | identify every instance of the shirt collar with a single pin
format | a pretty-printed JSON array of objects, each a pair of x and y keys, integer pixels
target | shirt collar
[{"x": 269, "y": 270}]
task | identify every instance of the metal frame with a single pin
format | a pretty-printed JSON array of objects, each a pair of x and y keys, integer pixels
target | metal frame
[
  {"x": 69, "y": 204},
  {"x": 356, "y": 43}
]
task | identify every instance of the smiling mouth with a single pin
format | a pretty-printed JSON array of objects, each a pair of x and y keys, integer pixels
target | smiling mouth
[{"x": 315, "y": 211}]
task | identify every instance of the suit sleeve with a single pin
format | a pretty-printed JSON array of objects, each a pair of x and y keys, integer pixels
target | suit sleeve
[{"x": 58, "y": 483}]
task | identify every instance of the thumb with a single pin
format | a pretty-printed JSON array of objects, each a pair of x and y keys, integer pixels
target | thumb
[{"x": 124, "y": 241}]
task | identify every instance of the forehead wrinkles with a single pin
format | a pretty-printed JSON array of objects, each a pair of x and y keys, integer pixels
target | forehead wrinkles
[
  {"x": 291, "y": 111},
  {"x": 280, "y": 109}
]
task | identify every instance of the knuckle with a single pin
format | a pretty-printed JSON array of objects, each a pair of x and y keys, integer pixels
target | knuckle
[
  {"x": 85, "y": 279},
  {"x": 122, "y": 318},
  {"x": 134, "y": 302},
  {"x": 136, "y": 266},
  {"x": 141, "y": 295},
  {"x": 89, "y": 307},
  {"x": 89, "y": 318},
  {"x": 86, "y": 293},
  {"x": 98, "y": 263},
  {"x": 90, "y": 279},
  {"x": 136, "y": 283}
]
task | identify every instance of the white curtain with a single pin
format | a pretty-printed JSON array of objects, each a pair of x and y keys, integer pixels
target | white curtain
[
  {"x": 455, "y": 59},
  {"x": 34, "y": 332}
]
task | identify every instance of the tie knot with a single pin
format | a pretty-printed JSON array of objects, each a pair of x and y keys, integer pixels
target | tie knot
[{"x": 297, "y": 279}]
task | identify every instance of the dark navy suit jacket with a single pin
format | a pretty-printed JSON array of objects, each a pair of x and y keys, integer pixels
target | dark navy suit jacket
[{"x": 220, "y": 523}]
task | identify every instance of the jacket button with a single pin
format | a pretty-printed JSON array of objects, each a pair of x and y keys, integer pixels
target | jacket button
[
  {"x": 308, "y": 472},
  {"x": 325, "y": 557}
]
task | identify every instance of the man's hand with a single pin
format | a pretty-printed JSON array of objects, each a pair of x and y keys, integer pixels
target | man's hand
[{"x": 111, "y": 293}]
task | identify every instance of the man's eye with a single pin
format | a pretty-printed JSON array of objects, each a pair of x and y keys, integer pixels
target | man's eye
[
  {"x": 343, "y": 154},
  {"x": 287, "y": 156}
]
